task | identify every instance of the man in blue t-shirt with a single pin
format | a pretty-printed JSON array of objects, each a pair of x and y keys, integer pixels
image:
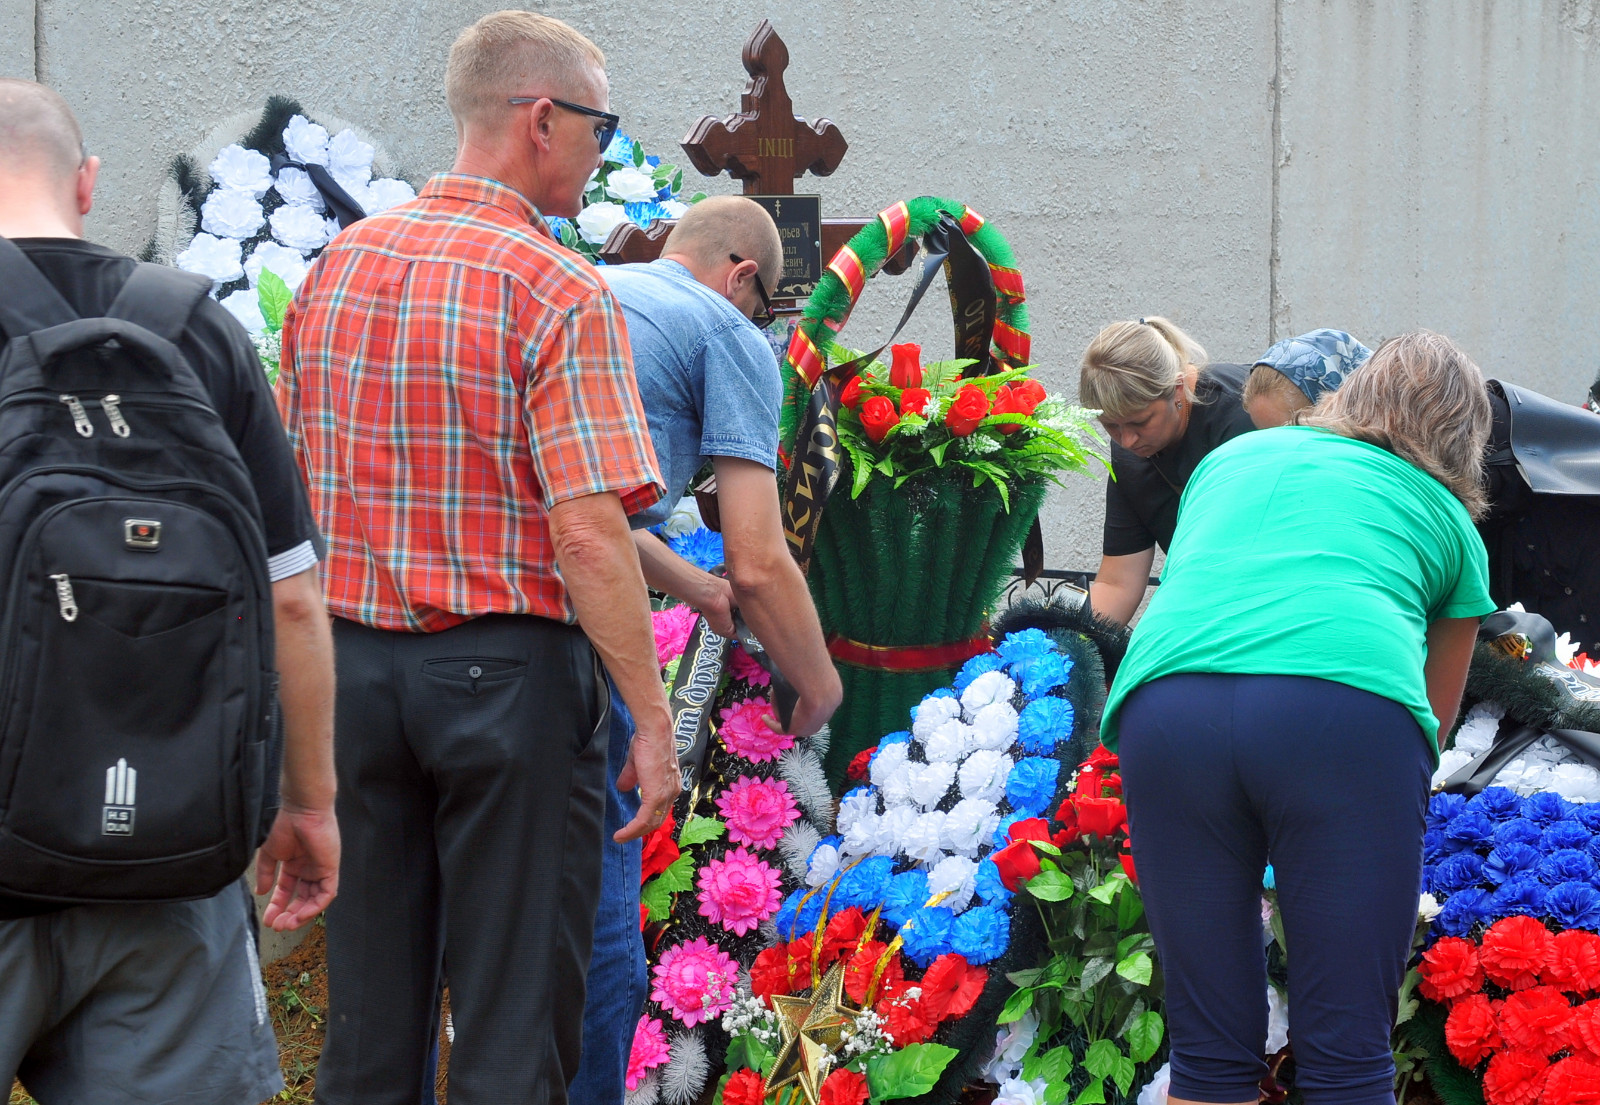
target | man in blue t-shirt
[{"x": 711, "y": 391}]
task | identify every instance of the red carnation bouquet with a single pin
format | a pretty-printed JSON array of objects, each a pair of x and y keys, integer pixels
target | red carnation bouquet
[
  {"x": 1523, "y": 1004},
  {"x": 910, "y": 418}
]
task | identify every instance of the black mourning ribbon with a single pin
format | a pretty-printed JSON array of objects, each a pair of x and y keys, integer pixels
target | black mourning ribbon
[{"x": 340, "y": 204}]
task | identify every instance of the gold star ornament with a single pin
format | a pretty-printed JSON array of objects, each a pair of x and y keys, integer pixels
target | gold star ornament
[{"x": 808, "y": 1028}]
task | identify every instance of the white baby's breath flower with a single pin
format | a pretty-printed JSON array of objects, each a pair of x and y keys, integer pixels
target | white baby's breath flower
[
  {"x": 305, "y": 141},
  {"x": 299, "y": 228},
  {"x": 630, "y": 185},
  {"x": 295, "y": 186},
  {"x": 386, "y": 193},
  {"x": 930, "y": 409},
  {"x": 241, "y": 170},
  {"x": 979, "y": 444},
  {"x": 231, "y": 214},
  {"x": 246, "y": 307},
  {"x": 209, "y": 255}
]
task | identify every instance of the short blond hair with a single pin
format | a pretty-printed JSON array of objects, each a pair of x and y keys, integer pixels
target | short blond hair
[
  {"x": 1264, "y": 380},
  {"x": 513, "y": 53},
  {"x": 1420, "y": 397},
  {"x": 38, "y": 132},
  {"x": 719, "y": 225},
  {"x": 1132, "y": 364}
]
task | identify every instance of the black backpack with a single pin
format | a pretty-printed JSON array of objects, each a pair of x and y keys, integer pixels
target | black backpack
[{"x": 139, "y": 738}]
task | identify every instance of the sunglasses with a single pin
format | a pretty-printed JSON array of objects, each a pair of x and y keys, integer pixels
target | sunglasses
[
  {"x": 763, "y": 317},
  {"x": 604, "y": 131}
]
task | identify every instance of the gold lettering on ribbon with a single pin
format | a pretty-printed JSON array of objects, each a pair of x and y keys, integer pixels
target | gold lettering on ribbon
[{"x": 814, "y": 470}]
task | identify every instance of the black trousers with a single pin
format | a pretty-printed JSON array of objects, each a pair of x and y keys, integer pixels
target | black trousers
[{"x": 471, "y": 764}]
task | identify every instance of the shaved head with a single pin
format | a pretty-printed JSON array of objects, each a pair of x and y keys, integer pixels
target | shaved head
[
  {"x": 720, "y": 225},
  {"x": 38, "y": 134}
]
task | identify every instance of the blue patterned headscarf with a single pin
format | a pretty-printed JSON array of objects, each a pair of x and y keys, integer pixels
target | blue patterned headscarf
[{"x": 1317, "y": 362}]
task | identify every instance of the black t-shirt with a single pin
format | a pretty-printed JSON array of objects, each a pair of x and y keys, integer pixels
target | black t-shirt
[
  {"x": 89, "y": 277},
  {"x": 1142, "y": 501}
]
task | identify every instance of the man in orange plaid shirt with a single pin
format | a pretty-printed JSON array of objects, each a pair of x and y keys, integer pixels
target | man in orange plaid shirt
[{"x": 459, "y": 394}]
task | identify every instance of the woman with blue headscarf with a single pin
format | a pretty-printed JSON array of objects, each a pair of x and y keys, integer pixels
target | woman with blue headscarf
[{"x": 1296, "y": 372}]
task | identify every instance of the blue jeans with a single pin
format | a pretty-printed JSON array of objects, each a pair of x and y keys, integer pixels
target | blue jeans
[{"x": 617, "y": 982}]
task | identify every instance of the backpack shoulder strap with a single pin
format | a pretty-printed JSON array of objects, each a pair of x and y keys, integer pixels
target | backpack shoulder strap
[
  {"x": 31, "y": 302},
  {"x": 160, "y": 299}
]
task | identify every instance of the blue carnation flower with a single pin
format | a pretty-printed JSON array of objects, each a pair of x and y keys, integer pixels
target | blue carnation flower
[
  {"x": 926, "y": 934},
  {"x": 1470, "y": 829},
  {"x": 1523, "y": 894},
  {"x": 990, "y": 888},
  {"x": 899, "y": 736},
  {"x": 981, "y": 664},
  {"x": 1041, "y": 674},
  {"x": 1464, "y": 910},
  {"x": 1509, "y": 862},
  {"x": 795, "y": 919},
  {"x": 1025, "y": 644},
  {"x": 1435, "y": 846},
  {"x": 1519, "y": 830},
  {"x": 1443, "y": 807},
  {"x": 1497, "y": 803},
  {"x": 1567, "y": 865},
  {"x": 1043, "y": 723},
  {"x": 620, "y": 151},
  {"x": 700, "y": 547},
  {"x": 863, "y": 884},
  {"x": 1003, "y": 829},
  {"x": 904, "y": 895},
  {"x": 653, "y": 161},
  {"x": 1032, "y": 784},
  {"x": 1588, "y": 815},
  {"x": 644, "y": 212},
  {"x": 1459, "y": 872},
  {"x": 665, "y": 192},
  {"x": 1429, "y": 873},
  {"x": 1546, "y": 808},
  {"x": 981, "y": 934},
  {"x": 1576, "y": 905},
  {"x": 1564, "y": 834}
]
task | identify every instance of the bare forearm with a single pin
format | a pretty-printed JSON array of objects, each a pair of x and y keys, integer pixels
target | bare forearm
[
  {"x": 669, "y": 573},
  {"x": 776, "y": 603},
  {"x": 306, "y": 690},
  {"x": 1450, "y": 642},
  {"x": 1119, "y": 585}
]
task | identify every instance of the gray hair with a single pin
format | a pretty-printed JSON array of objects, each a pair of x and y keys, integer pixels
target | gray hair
[
  {"x": 1132, "y": 364},
  {"x": 1421, "y": 398}
]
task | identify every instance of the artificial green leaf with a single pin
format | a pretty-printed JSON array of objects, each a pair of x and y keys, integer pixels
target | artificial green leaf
[
  {"x": 1095, "y": 971},
  {"x": 1109, "y": 889},
  {"x": 677, "y": 181},
  {"x": 698, "y": 830},
  {"x": 1138, "y": 942},
  {"x": 1045, "y": 846},
  {"x": 938, "y": 451},
  {"x": 657, "y": 899},
  {"x": 1130, "y": 907},
  {"x": 1053, "y": 1065},
  {"x": 1025, "y": 977},
  {"x": 273, "y": 295},
  {"x": 697, "y": 197},
  {"x": 858, "y": 482},
  {"x": 1101, "y": 943},
  {"x": 1128, "y": 1010},
  {"x": 744, "y": 1050},
  {"x": 1016, "y": 1005},
  {"x": 638, "y": 155},
  {"x": 679, "y": 876},
  {"x": 1055, "y": 1093},
  {"x": 910, "y": 1072},
  {"x": 1137, "y": 968},
  {"x": 1050, "y": 886},
  {"x": 1101, "y": 1058},
  {"x": 1093, "y": 1094},
  {"x": 1144, "y": 1036},
  {"x": 716, "y": 1098},
  {"x": 1122, "y": 1074}
]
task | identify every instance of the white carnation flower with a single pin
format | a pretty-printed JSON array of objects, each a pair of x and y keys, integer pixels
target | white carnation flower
[
  {"x": 231, "y": 214},
  {"x": 949, "y": 742},
  {"x": 933, "y": 712},
  {"x": 893, "y": 827},
  {"x": 596, "y": 222},
  {"x": 861, "y": 838},
  {"x": 924, "y": 840},
  {"x": 1576, "y": 782},
  {"x": 285, "y": 263},
  {"x": 1451, "y": 760},
  {"x": 241, "y": 170},
  {"x": 970, "y": 825},
  {"x": 823, "y": 865},
  {"x": 984, "y": 775},
  {"x": 991, "y": 686},
  {"x": 349, "y": 156},
  {"x": 1427, "y": 908},
  {"x": 208, "y": 255},
  {"x": 887, "y": 759},
  {"x": 353, "y": 187},
  {"x": 305, "y": 141},
  {"x": 855, "y": 806},
  {"x": 299, "y": 228},
  {"x": 995, "y": 726},
  {"x": 630, "y": 185},
  {"x": 245, "y": 306},
  {"x": 958, "y": 875},
  {"x": 930, "y": 782},
  {"x": 296, "y": 188},
  {"x": 386, "y": 193},
  {"x": 896, "y": 785}
]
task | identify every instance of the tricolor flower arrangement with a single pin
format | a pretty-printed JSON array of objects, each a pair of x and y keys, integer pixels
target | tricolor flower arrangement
[
  {"x": 714, "y": 874},
  {"x": 910, "y": 419},
  {"x": 629, "y": 186}
]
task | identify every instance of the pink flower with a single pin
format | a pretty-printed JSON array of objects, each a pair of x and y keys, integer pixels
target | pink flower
[
  {"x": 649, "y": 1050},
  {"x": 672, "y": 626},
  {"x": 745, "y": 731},
  {"x": 745, "y": 667},
  {"x": 738, "y": 891},
  {"x": 757, "y": 811},
  {"x": 695, "y": 981}
]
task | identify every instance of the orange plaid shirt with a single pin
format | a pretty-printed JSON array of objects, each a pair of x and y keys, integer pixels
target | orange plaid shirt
[{"x": 449, "y": 374}]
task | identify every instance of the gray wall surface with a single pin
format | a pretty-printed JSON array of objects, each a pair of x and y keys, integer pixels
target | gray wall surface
[{"x": 1250, "y": 169}]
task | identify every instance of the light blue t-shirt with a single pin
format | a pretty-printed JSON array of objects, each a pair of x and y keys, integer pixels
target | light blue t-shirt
[{"x": 707, "y": 376}]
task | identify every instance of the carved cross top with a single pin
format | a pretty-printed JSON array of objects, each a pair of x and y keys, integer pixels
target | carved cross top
[{"x": 765, "y": 145}]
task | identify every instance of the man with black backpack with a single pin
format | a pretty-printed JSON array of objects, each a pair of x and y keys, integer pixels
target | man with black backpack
[{"x": 155, "y": 540}]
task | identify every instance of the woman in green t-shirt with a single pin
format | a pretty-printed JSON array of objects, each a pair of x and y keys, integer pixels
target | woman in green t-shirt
[{"x": 1280, "y": 702}]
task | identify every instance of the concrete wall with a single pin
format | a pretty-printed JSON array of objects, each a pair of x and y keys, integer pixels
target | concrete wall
[{"x": 1250, "y": 168}]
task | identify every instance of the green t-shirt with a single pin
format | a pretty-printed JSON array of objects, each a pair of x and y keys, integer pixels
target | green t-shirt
[{"x": 1299, "y": 552}]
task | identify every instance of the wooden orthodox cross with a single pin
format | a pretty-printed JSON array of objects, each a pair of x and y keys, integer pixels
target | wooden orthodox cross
[{"x": 766, "y": 146}]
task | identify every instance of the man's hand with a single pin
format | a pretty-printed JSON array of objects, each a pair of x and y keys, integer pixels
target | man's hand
[
  {"x": 652, "y": 767},
  {"x": 715, "y": 603},
  {"x": 810, "y": 714},
  {"x": 299, "y": 863}
]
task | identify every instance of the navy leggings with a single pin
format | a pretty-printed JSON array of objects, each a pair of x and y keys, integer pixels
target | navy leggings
[{"x": 1226, "y": 773}]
